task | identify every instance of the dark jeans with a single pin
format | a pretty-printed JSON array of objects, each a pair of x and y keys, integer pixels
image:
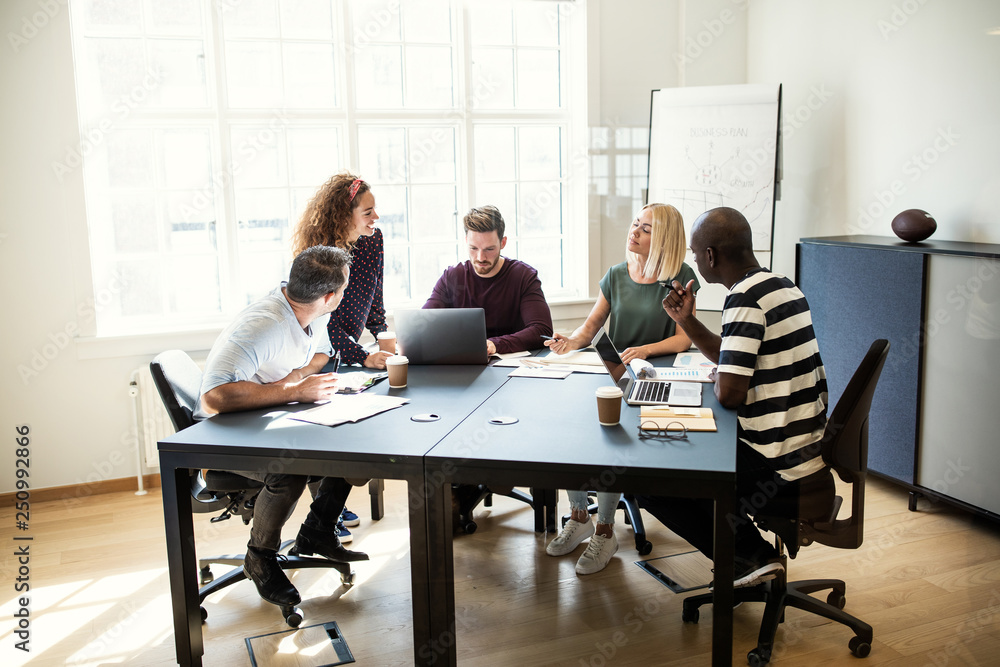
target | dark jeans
[
  {"x": 694, "y": 518},
  {"x": 277, "y": 500}
]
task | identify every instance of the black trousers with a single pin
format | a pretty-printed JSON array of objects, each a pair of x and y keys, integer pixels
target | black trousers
[
  {"x": 693, "y": 518},
  {"x": 278, "y": 498}
]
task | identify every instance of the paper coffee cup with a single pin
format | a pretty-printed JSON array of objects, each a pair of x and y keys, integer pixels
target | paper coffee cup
[
  {"x": 609, "y": 405},
  {"x": 387, "y": 341},
  {"x": 397, "y": 366}
]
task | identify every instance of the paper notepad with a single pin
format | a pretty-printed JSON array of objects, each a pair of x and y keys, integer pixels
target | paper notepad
[
  {"x": 343, "y": 409},
  {"x": 659, "y": 417},
  {"x": 584, "y": 357}
]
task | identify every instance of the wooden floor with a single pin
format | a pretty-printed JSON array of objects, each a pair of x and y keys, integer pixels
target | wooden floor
[{"x": 928, "y": 582}]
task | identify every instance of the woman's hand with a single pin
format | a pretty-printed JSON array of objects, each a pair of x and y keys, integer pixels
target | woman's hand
[
  {"x": 376, "y": 360},
  {"x": 640, "y": 352},
  {"x": 561, "y": 344}
]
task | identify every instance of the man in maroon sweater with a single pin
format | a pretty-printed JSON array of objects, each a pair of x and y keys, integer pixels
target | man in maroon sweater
[{"x": 509, "y": 290}]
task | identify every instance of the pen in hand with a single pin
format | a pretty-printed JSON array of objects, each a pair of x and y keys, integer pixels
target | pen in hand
[{"x": 336, "y": 362}]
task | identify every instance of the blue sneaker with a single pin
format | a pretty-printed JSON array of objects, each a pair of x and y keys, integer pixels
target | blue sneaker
[
  {"x": 344, "y": 534},
  {"x": 349, "y": 518}
]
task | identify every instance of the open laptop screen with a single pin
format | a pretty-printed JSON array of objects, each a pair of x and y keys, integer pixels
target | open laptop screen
[
  {"x": 609, "y": 356},
  {"x": 442, "y": 335}
]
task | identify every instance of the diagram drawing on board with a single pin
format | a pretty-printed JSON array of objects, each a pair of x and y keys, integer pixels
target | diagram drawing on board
[{"x": 716, "y": 146}]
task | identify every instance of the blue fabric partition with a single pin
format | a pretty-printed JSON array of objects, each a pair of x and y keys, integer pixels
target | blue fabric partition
[{"x": 858, "y": 295}]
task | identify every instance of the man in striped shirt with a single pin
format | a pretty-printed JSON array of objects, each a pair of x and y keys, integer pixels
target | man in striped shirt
[{"x": 769, "y": 369}]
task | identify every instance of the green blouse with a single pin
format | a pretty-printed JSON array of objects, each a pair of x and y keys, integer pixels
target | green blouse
[{"x": 637, "y": 315}]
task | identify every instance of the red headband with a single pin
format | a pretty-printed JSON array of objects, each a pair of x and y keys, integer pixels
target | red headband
[{"x": 355, "y": 186}]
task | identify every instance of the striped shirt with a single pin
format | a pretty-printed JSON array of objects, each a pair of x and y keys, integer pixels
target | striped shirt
[{"x": 767, "y": 334}]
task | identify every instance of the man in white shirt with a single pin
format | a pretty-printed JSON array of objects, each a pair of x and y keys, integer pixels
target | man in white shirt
[{"x": 271, "y": 355}]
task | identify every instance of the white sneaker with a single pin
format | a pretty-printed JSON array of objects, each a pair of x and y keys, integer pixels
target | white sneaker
[
  {"x": 598, "y": 553},
  {"x": 570, "y": 537},
  {"x": 765, "y": 572}
]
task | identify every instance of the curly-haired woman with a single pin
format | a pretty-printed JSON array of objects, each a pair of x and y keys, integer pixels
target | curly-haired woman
[{"x": 342, "y": 214}]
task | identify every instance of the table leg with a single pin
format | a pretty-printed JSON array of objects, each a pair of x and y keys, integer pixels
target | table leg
[
  {"x": 433, "y": 572},
  {"x": 722, "y": 600},
  {"x": 544, "y": 502},
  {"x": 181, "y": 562},
  {"x": 376, "y": 489},
  {"x": 439, "y": 649}
]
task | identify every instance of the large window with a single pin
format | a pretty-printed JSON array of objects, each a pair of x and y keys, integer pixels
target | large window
[{"x": 207, "y": 126}]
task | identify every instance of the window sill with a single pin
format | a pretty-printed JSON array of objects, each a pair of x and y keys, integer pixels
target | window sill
[{"x": 110, "y": 347}]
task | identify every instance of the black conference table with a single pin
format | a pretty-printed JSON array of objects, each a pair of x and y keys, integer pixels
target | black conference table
[
  {"x": 389, "y": 446},
  {"x": 556, "y": 443}
]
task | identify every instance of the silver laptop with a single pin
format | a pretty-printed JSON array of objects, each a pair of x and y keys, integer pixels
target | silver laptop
[
  {"x": 442, "y": 335},
  {"x": 644, "y": 392}
]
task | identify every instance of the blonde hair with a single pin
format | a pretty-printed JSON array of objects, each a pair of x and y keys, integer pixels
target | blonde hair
[{"x": 667, "y": 246}]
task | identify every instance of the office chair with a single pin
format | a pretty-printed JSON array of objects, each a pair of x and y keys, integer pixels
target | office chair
[
  {"x": 630, "y": 508},
  {"x": 178, "y": 381},
  {"x": 466, "y": 497},
  {"x": 811, "y": 516}
]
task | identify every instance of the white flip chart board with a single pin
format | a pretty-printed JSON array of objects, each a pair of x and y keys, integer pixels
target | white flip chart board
[{"x": 715, "y": 146}]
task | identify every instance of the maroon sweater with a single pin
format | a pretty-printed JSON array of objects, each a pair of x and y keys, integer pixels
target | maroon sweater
[{"x": 517, "y": 315}]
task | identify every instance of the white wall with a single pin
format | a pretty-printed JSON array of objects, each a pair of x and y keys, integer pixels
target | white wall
[
  {"x": 78, "y": 410},
  {"x": 888, "y": 105}
]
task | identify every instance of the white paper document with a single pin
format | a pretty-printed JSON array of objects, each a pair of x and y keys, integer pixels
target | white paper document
[
  {"x": 343, "y": 409},
  {"x": 692, "y": 359},
  {"x": 529, "y": 372}
]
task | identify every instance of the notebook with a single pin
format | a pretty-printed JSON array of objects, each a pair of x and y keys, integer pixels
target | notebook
[
  {"x": 442, "y": 335},
  {"x": 644, "y": 392}
]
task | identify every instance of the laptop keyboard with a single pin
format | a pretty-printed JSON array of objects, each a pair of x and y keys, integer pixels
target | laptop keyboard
[{"x": 650, "y": 391}]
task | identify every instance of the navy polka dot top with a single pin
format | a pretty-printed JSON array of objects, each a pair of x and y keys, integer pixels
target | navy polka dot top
[{"x": 362, "y": 307}]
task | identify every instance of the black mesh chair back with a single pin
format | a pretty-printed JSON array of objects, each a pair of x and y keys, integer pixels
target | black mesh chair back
[{"x": 178, "y": 381}]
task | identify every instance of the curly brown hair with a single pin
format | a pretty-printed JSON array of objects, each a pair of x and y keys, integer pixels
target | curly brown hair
[{"x": 327, "y": 218}]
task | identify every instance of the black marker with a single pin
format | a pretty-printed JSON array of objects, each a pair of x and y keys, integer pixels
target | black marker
[{"x": 669, "y": 285}]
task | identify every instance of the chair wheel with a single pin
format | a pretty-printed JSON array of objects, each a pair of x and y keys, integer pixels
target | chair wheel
[
  {"x": 835, "y": 599},
  {"x": 645, "y": 548},
  {"x": 347, "y": 578},
  {"x": 204, "y": 614},
  {"x": 293, "y": 616},
  {"x": 469, "y": 528},
  {"x": 859, "y": 647},
  {"x": 758, "y": 657},
  {"x": 690, "y": 615},
  {"x": 206, "y": 575}
]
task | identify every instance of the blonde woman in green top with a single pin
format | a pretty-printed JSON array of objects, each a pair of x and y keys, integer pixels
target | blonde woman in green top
[{"x": 631, "y": 296}]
